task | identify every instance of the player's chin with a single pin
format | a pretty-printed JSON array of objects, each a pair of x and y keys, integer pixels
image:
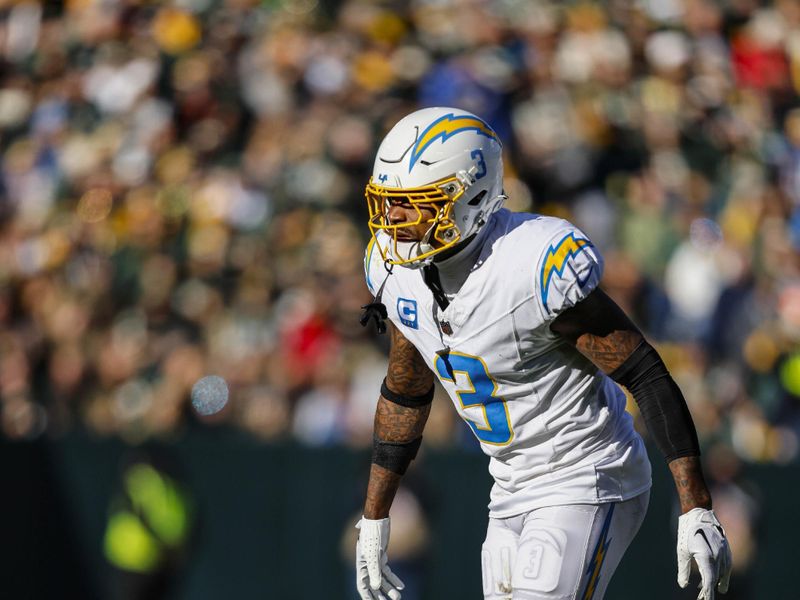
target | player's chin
[{"x": 406, "y": 251}]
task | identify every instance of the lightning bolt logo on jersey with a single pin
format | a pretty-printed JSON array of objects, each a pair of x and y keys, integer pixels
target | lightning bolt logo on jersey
[
  {"x": 554, "y": 427},
  {"x": 558, "y": 257},
  {"x": 446, "y": 127}
]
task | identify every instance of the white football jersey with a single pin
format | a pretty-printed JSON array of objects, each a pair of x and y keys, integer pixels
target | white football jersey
[{"x": 553, "y": 425}]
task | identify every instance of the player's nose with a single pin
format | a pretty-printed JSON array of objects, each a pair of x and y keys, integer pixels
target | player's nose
[{"x": 398, "y": 214}]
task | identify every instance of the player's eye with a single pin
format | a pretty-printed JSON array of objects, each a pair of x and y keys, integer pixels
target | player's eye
[{"x": 395, "y": 201}]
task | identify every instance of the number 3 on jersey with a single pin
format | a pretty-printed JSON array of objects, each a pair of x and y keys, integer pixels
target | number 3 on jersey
[{"x": 480, "y": 389}]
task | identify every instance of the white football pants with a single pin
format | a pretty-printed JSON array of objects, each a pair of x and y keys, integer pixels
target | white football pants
[{"x": 560, "y": 552}]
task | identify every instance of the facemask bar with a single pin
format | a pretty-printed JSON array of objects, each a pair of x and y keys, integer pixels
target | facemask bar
[{"x": 441, "y": 195}]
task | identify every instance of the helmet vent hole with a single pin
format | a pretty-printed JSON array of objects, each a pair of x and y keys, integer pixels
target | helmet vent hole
[{"x": 476, "y": 200}]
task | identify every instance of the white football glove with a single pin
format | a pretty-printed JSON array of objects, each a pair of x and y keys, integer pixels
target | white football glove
[
  {"x": 374, "y": 578},
  {"x": 700, "y": 536}
]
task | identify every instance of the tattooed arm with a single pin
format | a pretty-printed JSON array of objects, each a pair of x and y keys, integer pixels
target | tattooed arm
[
  {"x": 408, "y": 375},
  {"x": 603, "y": 333}
]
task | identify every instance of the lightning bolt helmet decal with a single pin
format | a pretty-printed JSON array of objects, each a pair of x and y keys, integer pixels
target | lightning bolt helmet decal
[{"x": 446, "y": 127}]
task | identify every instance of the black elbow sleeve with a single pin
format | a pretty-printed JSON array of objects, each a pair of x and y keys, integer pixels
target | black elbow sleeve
[
  {"x": 394, "y": 456},
  {"x": 660, "y": 401}
]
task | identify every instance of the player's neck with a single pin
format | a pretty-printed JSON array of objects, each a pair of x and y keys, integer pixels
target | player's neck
[
  {"x": 455, "y": 264},
  {"x": 465, "y": 252}
]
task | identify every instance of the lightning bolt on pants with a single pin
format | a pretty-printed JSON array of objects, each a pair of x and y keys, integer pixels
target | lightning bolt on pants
[{"x": 564, "y": 552}]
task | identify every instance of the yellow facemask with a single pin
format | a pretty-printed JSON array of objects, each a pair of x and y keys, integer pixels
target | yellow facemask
[{"x": 443, "y": 232}]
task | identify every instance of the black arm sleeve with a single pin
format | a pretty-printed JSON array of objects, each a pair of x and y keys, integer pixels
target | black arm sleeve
[
  {"x": 660, "y": 401},
  {"x": 394, "y": 456}
]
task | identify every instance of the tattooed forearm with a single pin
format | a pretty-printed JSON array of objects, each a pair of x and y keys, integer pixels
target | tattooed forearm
[
  {"x": 608, "y": 352},
  {"x": 688, "y": 476},
  {"x": 395, "y": 423},
  {"x": 382, "y": 487},
  {"x": 408, "y": 373}
]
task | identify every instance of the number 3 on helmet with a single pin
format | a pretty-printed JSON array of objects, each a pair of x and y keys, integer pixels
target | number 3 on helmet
[{"x": 445, "y": 158}]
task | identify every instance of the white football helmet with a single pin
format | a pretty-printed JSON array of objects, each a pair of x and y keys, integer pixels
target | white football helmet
[{"x": 445, "y": 157}]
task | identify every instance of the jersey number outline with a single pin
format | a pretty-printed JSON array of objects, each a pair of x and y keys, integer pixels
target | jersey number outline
[{"x": 481, "y": 392}]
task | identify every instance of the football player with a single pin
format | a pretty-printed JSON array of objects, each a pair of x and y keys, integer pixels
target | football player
[{"x": 505, "y": 310}]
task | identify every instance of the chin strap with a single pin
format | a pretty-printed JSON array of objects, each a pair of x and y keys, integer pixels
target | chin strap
[
  {"x": 430, "y": 275},
  {"x": 376, "y": 310}
]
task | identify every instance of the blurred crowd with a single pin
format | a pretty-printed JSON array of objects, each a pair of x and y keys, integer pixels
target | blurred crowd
[{"x": 181, "y": 195}]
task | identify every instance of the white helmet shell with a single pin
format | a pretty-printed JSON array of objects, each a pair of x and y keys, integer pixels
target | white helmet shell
[{"x": 436, "y": 144}]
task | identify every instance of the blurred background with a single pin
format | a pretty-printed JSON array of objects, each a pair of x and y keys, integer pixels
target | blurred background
[{"x": 186, "y": 397}]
